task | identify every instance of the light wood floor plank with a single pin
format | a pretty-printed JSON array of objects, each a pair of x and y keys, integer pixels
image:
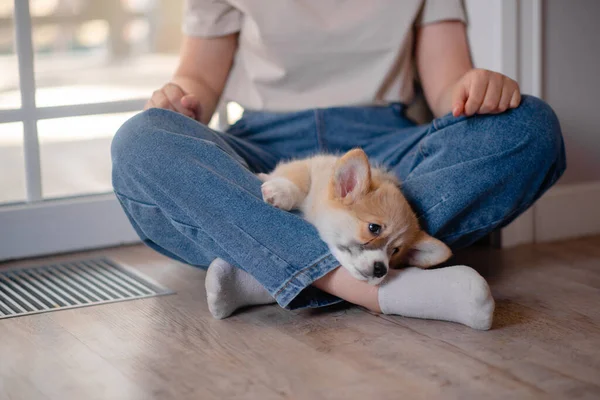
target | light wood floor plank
[
  {"x": 545, "y": 341},
  {"x": 57, "y": 364}
]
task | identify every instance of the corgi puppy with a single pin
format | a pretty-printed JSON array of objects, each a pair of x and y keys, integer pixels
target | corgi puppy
[{"x": 358, "y": 210}]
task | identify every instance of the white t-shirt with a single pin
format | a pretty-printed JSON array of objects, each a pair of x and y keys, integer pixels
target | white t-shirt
[{"x": 299, "y": 54}]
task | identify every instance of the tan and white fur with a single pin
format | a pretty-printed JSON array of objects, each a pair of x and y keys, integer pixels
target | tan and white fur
[{"x": 358, "y": 210}]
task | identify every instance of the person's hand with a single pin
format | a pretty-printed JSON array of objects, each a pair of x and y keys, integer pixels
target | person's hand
[
  {"x": 172, "y": 97},
  {"x": 480, "y": 91}
]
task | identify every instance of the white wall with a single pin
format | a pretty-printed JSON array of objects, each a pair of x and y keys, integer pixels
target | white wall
[
  {"x": 570, "y": 84},
  {"x": 551, "y": 47},
  {"x": 572, "y": 81},
  {"x": 570, "y": 66},
  {"x": 484, "y": 32}
]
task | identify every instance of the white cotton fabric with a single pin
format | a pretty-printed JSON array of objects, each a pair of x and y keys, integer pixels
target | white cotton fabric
[{"x": 299, "y": 54}]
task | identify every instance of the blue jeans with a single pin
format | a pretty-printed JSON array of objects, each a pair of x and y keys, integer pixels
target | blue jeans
[{"x": 191, "y": 193}]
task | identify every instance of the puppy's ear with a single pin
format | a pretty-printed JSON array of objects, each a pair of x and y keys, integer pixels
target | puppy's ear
[
  {"x": 351, "y": 176},
  {"x": 427, "y": 251}
]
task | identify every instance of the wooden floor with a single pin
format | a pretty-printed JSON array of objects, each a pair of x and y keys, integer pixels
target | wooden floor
[{"x": 545, "y": 342}]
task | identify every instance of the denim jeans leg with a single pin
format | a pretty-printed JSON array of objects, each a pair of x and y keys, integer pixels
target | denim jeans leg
[
  {"x": 190, "y": 195},
  {"x": 470, "y": 176}
]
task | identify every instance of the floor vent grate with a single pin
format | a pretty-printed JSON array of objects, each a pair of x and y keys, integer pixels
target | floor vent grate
[{"x": 59, "y": 286}]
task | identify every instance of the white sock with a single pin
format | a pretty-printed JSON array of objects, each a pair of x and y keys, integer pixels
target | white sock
[
  {"x": 457, "y": 294},
  {"x": 229, "y": 288}
]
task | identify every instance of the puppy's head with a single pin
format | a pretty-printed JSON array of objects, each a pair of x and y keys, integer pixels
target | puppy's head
[{"x": 371, "y": 226}]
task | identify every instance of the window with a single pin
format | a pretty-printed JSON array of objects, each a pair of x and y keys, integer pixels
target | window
[{"x": 72, "y": 72}]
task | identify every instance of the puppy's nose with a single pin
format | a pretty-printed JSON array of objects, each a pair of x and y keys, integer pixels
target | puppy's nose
[{"x": 379, "y": 269}]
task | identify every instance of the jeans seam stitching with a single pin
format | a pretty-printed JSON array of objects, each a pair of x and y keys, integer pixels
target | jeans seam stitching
[
  {"x": 421, "y": 151},
  {"x": 119, "y": 194},
  {"x": 442, "y": 201},
  {"x": 300, "y": 272},
  {"x": 420, "y": 146},
  {"x": 156, "y": 205},
  {"x": 451, "y": 120},
  {"x": 435, "y": 127}
]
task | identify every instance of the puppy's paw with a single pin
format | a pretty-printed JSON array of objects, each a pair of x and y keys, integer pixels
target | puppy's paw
[
  {"x": 263, "y": 177},
  {"x": 281, "y": 193}
]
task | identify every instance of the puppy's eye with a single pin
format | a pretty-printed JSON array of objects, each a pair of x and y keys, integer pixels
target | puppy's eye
[
  {"x": 395, "y": 251},
  {"x": 375, "y": 229}
]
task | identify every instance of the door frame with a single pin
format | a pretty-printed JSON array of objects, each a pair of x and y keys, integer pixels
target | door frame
[
  {"x": 522, "y": 52},
  {"x": 506, "y": 36}
]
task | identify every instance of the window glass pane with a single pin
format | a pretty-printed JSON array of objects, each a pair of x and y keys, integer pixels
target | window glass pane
[
  {"x": 9, "y": 75},
  {"x": 12, "y": 164},
  {"x": 89, "y": 51},
  {"x": 75, "y": 154}
]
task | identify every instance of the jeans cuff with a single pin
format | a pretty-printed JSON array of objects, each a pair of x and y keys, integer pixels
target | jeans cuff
[{"x": 296, "y": 292}]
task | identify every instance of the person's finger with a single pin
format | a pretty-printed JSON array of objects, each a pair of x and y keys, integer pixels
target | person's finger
[
  {"x": 161, "y": 101},
  {"x": 174, "y": 94},
  {"x": 507, "y": 92},
  {"x": 477, "y": 89},
  {"x": 515, "y": 99},
  {"x": 459, "y": 97},
  {"x": 191, "y": 102},
  {"x": 493, "y": 95}
]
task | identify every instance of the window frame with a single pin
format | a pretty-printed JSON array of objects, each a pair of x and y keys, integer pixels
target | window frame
[{"x": 41, "y": 226}]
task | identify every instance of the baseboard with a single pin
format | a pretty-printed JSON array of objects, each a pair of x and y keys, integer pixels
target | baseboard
[
  {"x": 64, "y": 225},
  {"x": 568, "y": 211}
]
